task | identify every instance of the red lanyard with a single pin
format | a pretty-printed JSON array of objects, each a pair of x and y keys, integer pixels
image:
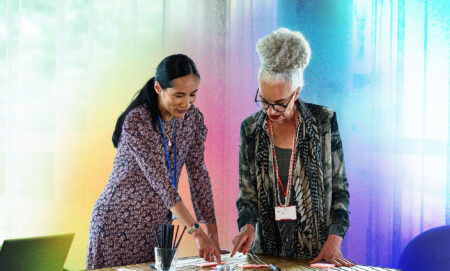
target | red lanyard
[{"x": 291, "y": 166}]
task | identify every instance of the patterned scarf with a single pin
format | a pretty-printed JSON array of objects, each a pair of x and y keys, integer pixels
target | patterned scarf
[{"x": 307, "y": 185}]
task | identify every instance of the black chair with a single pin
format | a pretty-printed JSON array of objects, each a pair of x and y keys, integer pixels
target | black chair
[{"x": 429, "y": 251}]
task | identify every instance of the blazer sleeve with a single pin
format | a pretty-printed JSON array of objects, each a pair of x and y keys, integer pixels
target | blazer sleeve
[
  {"x": 142, "y": 140},
  {"x": 199, "y": 181},
  {"x": 340, "y": 194},
  {"x": 247, "y": 202}
]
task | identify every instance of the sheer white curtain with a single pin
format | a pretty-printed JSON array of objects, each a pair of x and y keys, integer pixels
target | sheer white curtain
[
  {"x": 67, "y": 69},
  {"x": 400, "y": 60}
]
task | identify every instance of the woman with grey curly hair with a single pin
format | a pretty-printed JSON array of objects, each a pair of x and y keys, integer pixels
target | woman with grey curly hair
[{"x": 293, "y": 199}]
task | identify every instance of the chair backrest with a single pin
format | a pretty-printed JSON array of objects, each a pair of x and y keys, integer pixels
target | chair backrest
[{"x": 429, "y": 251}]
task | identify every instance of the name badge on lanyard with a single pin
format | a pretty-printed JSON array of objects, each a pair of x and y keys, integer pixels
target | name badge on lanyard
[
  {"x": 173, "y": 176},
  {"x": 285, "y": 213}
]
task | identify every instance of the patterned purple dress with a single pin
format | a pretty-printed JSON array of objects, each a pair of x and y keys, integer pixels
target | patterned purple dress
[{"x": 139, "y": 192}]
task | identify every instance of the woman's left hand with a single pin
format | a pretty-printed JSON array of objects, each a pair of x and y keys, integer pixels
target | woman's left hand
[{"x": 331, "y": 252}]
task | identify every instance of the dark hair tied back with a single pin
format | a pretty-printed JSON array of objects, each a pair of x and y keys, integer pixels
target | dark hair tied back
[{"x": 170, "y": 68}]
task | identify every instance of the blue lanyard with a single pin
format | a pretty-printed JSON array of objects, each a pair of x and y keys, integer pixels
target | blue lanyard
[{"x": 172, "y": 176}]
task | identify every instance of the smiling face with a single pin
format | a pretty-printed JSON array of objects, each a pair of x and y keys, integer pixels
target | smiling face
[
  {"x": 174, "y": 102},
  {"x": 278, "y": 93}
]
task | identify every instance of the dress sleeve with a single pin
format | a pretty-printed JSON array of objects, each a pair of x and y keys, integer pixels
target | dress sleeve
[
  {"x": 199, "y": 181},
  {"x": 143, "y": 142},
  {"x": 247, "y": 202},
  {"x": 340, "y": 194}
]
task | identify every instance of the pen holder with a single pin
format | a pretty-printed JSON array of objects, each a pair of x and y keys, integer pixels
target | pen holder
[{"x": 165, "y": 259}]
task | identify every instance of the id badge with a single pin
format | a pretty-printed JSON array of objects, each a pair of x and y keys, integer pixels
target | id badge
[{"x": 285, "y": 213}]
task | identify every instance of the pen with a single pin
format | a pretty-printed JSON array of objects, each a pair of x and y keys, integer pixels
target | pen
[{"x": 274, "y": 267}]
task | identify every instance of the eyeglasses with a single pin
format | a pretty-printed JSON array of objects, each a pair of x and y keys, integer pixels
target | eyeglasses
[{"x": 280, "y": 108}]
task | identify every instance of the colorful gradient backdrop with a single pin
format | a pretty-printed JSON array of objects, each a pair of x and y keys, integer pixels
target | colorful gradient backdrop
[{"x": 69, "y": 68}]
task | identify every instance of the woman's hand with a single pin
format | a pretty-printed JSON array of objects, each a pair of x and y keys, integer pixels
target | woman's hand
[
  {"x": 244, "y": 240},
  {"x": 331, "y": 252},
  {"x": 206, "y": 247}
]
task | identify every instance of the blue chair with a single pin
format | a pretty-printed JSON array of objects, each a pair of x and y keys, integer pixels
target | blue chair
[{"x": 429, "y": 251}]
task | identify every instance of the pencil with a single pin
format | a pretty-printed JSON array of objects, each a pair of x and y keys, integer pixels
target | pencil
[
  {"x": 156, "y": 236},
  {"x": 170, "y": 236},
  {"x": 175, "y": 239},
  {"x": 163, "y": 237},
  {"x": 181, "y": 236}
]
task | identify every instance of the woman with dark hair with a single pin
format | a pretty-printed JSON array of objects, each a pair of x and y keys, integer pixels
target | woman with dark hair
[{"x": 159, "y": 132}]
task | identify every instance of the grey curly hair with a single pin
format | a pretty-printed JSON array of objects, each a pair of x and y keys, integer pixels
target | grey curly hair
[{"x": 284, "y": 55}]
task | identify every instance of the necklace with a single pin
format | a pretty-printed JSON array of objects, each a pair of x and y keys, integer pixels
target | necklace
[
  {"x": 286, "y": 193},
  {"x": 170, "y": 135},
  {"x": 173, "y": 176}
]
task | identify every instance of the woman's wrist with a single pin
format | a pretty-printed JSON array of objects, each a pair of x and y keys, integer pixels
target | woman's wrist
[
  {"x": 335, "y": 237},
  {"x": 198, "y": 233},
  {"x": 212, "y": 230},
  {"x": 247, "y": 227}
]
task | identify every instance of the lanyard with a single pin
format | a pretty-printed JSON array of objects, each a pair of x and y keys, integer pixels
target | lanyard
[
  {"x": 286, "y": 192},
  {"x": 172, "y": 176}
]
